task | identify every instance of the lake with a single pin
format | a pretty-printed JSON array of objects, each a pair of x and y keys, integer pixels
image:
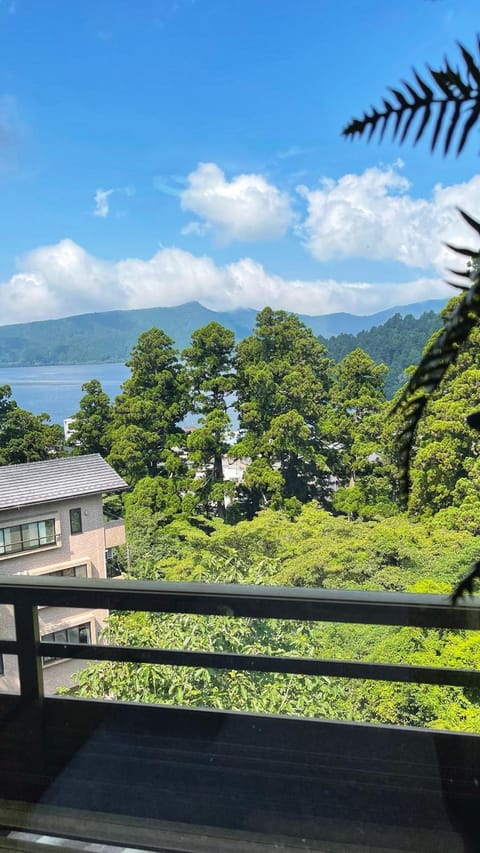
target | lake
[{"x": 57, "y": 389}]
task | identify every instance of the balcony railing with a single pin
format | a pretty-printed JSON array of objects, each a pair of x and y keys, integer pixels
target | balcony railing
[
  {"x": 239, "y": 772},
  {"x": 321, "y": 605}
]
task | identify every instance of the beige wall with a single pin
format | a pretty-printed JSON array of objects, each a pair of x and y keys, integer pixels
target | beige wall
[
  {"x": 87, "y": 548},
  {"x": 114, "y": 533}
]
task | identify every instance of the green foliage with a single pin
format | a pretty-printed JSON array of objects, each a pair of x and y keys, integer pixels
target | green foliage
[
  {"x": 397, "y": 343},
  {"x": 209, "y": 363},
  {"x": 144, "y": 430},
  {"x": 283, "y": 379},
  {"x": 91, "y": 423},
  {"x": 440, "y": 355},
  {"x": 312, "y": 548},
  {"x": 25, "y": 437}
]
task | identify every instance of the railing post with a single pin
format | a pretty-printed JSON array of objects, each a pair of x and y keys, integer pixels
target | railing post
[{"x": 29, "y": 663}]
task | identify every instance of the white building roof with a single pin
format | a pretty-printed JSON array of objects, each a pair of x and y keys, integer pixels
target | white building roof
[{"x": 56, "y": 480}]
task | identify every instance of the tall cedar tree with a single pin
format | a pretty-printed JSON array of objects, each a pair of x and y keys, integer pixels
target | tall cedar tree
[
  {"x": 355, "y": 425},
  {"x": 209, "y": 363},
  {"x": 90, "y": 425},
  {"x": 145, "y": 433},
  {"x": 283, "y": 380}
]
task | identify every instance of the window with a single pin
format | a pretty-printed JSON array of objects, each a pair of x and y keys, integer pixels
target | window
[
  {"x": 26, "y": 537},
  {"x": 75, "y": 520},
  {"x": 76, "y": 634},
  {"x": 70, "y": 572},
  {"x": 2, "y": 667}
]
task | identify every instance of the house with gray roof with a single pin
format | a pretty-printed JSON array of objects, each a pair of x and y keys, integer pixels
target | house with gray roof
[{"x": 52, "y": 523}]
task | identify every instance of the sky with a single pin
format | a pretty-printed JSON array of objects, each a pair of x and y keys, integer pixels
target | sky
[{"x": 155, "y": 152}]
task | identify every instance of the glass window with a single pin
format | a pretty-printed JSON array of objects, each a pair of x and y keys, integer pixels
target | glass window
[
  {"x": 26, "y": 537},
  {"x": 30, "y": 535},
  {"x": 2, "y": 667},
  {"x": 71, "y": 572},
  {"x": 13, "y": 539},
  {"x": 75, "y": 520},
  {"x": 46, "y": 531},
  {"x": 84, "y": 634},
  {"x": 75, "y": 634}
]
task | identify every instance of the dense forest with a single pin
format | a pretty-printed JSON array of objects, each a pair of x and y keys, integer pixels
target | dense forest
[
  {"x": 317, "y": 505},
  {"x": 397, "y": 343}
]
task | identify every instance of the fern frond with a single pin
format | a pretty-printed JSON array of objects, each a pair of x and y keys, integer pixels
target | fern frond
[
  {"x": 453, "y": 101},
  {"x": 441, "y": 355}
]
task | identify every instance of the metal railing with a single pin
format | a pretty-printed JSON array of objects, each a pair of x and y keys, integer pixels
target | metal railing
[{"x": 26, "y": 594}]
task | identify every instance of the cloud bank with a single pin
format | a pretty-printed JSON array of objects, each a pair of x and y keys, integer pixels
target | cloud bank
[
  {"x": 62, "y": 279},
  {"x": 373, "y": 216},
  {"x": 247, "y": 208}
]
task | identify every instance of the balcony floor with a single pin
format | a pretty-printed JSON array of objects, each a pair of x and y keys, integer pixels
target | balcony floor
[{"x": 191, "y": 780}]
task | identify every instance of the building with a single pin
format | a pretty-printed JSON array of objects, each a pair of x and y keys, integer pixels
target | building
[{"x": 52, "y": 523}]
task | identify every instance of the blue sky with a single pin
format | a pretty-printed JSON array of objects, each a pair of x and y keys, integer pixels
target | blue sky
[{"x": 158, "y": 151}]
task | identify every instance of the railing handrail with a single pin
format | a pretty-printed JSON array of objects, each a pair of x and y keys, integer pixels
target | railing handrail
[
  {"x": 232, "y": 600},
  {"x": 272, "y": 602}
]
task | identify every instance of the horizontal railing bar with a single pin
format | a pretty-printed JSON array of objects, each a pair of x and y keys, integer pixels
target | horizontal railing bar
[
  {"x": 8, "y": 647},
  {"x": 265, "y": 663},
  {"x": 323, "y": 605}
]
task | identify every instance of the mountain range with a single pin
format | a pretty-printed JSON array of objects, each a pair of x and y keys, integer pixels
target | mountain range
[{"x": 110, "y": 335}]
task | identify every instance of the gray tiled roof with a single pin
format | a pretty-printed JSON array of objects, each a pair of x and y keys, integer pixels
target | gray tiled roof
[{"x": 56, "y": 479}]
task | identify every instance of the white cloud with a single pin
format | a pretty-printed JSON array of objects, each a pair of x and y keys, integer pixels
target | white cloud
[
  {"x": 247, "y": 208},
  {"x": 374, "y": 216},
  {"x": 64, "y": 279},
  {"x": 199, "y": 229},
  {"x": 102, "y": 207},
  {"x": 102, "y": 204}
]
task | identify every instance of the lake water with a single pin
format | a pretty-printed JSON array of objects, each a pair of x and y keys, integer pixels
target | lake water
[{"x": 57, "y": 389}]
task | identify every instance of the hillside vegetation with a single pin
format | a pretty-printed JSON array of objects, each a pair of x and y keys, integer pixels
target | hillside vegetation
[{"x": 398, "y": 343}]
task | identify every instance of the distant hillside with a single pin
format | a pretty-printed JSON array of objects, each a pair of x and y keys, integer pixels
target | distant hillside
[
  {"x": 398, "y": 343},
  {"x": 110, "y": 335}
]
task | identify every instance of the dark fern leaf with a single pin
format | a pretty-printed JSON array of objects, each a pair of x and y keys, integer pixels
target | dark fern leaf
[
  {"x": 473, "y": 224},
  {"x": 440, "y": 356},
  {"x": 438, "y": 124},
  {"x": 450, "y": 87},
  {"x": 452, "y": 126}
]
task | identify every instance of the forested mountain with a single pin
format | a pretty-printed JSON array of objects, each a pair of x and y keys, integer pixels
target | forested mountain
[
  {"x": 398, "y": 343},
  {"x": 109, "y": 336}
]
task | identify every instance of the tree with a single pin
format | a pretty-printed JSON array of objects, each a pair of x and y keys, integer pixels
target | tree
[
  {"x": 90, "y": 425},
  {"x": 355, "y": 422},
  {"x": 209, "y": 364},
  {"x": 397, "y": 343},
  {"x": 25, "y": 437},
  {"x": 283, "y": 378},
  {"x": 145, "y": 434}
]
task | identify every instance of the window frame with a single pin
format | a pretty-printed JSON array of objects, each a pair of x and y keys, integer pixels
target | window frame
[
  {"x": 41, "y": 540},
  {"x": 88, "y": 624},
  {"x": 75, "y": 512}
]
